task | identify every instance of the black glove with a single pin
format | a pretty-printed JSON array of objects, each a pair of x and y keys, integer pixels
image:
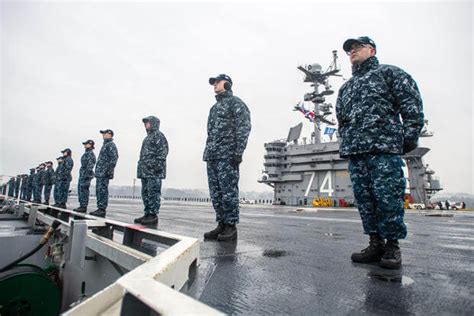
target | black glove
[
  {"x": 409, "y": 145},
  {"x": 236, "y": 160}
]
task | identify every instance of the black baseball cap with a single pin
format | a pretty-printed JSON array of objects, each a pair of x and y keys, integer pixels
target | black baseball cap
[
  {"x": 60, "y": 158},
  {"x": 212, "y": 80},
  {"x": 66, "y": 150},
  {"x": 49, "y": 162},
  {"x": 107, "y": 131},
  {"x": 362, "y": 40},
  {"x": 89, "y": 141}
]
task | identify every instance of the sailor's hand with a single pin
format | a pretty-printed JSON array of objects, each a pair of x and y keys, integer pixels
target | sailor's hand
[
  {"x": 236, "y": 160},
  {"x": 409, "y": 145}
]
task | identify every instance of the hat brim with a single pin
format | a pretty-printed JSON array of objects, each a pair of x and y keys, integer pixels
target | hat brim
[
  {"x": 348, "y": 43},
  {"x": 212, "y": 81}
]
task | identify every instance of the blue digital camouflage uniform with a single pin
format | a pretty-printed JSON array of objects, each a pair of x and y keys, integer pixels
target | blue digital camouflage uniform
[
  {"x": 29, "y": 184},
  {"x": 63, "y": 180},
  {"x": 39, "y": 184},
  {"x": 368, "y": 109},
  {"x": 17, "y": 185},
  {"x": 35, "y": 186},
  {"x": 11, "y": 187},
  {"x": 228, "y": 129},
  {"x": 48, "y": 179},
  {"x": 151, "y": 167},
  {"x": 23, "y": 188},
  {"x": 86, "y": 174},
  {"x": 104, "y": 171}
]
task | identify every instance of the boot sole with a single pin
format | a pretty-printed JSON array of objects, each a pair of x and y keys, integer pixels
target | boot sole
[{"x": 219, "y": 238}]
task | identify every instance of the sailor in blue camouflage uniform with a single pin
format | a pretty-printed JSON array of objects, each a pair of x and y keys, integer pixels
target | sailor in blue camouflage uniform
[
  {"x": 151, "y": 169},
  {"x": 29, "y": 184},
  {"x": 48, "y": 180},
  {"x": 104, "y": 171},
  {"x": 40, "y": 182},
  {"x": 24, "y": 186},
  {"x": 17, "y": 185},
  {"x": 11, "y": 187},
  {"x": 35, "y": 185},
  {"x": 380, "y": 116},
  {"x": 228, "y": 129},
  {"x": 63, "y": 178},
  {"x": 60, "y": 161},
  {"x": 86, "y": 174}
]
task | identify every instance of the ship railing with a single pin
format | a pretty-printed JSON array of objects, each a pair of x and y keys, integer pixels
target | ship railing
[{"x": 152, "y": 284}]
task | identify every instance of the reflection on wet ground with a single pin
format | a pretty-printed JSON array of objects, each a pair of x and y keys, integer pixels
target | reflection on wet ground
[{"x": 299, "y": 262}]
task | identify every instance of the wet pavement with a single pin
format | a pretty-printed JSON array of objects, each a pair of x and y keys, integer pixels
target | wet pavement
[{"x": 298, "y": 262}]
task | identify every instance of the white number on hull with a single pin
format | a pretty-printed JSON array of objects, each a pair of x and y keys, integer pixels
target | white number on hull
[{"x": 326, "y": 186}]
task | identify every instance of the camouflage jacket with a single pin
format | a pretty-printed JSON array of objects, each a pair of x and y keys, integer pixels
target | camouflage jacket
[
  {"x": 107, "y": 160},
  {"x": 87, "y": 165},
  {"x": 41, "y": 177},
  {"x": 49, "y": 176},
  {"x": 29, "y": 181},
  {"x": 17, "y": 183},
  {"x": 63, "y": 171},
  {"x": 228, "y": 127},
  {"x": 369, "y": 107},
  {"x": 153, "y": 154}
]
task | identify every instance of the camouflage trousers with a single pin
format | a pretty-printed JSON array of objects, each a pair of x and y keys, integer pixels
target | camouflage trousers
[
  {"x": 17, "y": 191},
  {"x": 61, "y": 190},
  {"x": 83, "y": 191},
  {"x": 102, "y": 192},
  {"x": 379, "y": 188},
  {"x": 37, "y": 193},
  {"x": 29, "y": 192},
  {"x": 151, "y": 195},
  {"x": 47, "y": 193},
  {"x": 223, "y": 179}
]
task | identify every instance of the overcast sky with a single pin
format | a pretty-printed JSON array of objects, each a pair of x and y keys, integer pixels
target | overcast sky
[{"x": 70, "y": 69}]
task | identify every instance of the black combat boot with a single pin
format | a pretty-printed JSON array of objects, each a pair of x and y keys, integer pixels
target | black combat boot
[
  {"x": 373, "y": 253},
  {"x": 138, "y": 220},
  {"x": 100, "y": 212},
  {"x": 63, "y": 205},
  {"x": 392, "y": 258},
  {"x": 80, "y": 209},
  {"x": 215, "y": 232},
  {"x": 229, "y": 233},
  {"x": 150, "y": 219}
]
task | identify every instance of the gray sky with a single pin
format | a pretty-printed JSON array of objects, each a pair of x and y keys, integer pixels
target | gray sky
[{"x": 70, "y": 69}]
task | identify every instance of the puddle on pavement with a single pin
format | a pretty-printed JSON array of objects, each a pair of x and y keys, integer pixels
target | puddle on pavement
[
  {"x": 273, "y": 253},
  {"x": 403, "y": 280}
]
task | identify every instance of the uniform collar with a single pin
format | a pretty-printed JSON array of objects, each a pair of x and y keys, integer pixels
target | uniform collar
[
  {"x": 107, "y": 140},
  {"x": 361, "y": 69},
  {"x": 223, "y": 95}
]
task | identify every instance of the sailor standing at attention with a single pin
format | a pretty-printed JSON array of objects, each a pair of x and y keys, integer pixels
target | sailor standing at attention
[{"x": 380, "y": 116}]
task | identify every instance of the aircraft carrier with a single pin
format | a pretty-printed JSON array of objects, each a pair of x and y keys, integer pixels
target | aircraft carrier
[{"x": 309, "y": 171}]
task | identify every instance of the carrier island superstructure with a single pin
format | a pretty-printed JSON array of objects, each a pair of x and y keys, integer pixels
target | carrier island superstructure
[{"x": 309, "y": 171}]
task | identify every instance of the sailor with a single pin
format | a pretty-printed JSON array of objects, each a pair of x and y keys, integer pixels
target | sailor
[
  {"x": 17, "y": 185},
  {"x": 104, "y": 171},
  {"x": 228, "y": 129},
  {"x": 11, "y": 187},
  {"x": 64, "y": 178},
  {"x": 40, "y": 182},
  {"x": 151, "y": 170},
  {"x": 86, "y": 174},
  {"x": 60, "y": 161},
  {"x": 29, "y": 184},
  {"x": 35, "y": 185},
  {"x": 373, "y": 138},
  {"x": 24, "y": 179},
  {"x": 48, "y": 180}
]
